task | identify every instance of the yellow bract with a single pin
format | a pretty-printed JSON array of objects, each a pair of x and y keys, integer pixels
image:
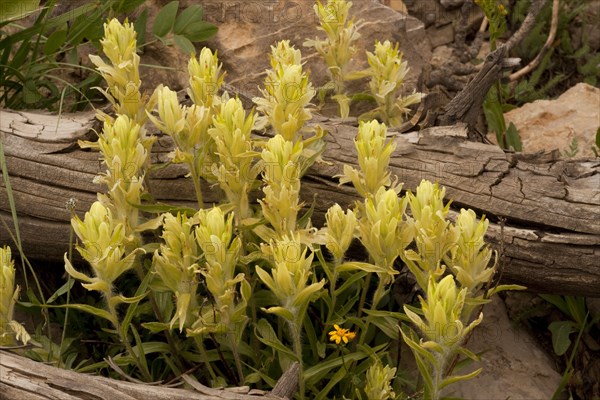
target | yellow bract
[
  {"x": 442, "y": 309},
  {"x": 340, "y": 230},
  {"x": 387, "y": 77},
  {"x": 287, "y": 93},
  {"x": 378, "y": 385},
  {"x": 373, "y": 159},
  {"x": 206, "y": 78},
  {"x": 103, "y": 247},
  {"x": 9, "y": 293}
]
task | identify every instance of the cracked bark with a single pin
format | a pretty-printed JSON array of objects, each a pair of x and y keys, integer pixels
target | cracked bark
[{"x": 552, "y": 205}]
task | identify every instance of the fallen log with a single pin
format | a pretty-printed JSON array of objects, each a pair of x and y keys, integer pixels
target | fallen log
[
  {"x": 551, "y": 205},
  {"x": 25, "y": 379}
]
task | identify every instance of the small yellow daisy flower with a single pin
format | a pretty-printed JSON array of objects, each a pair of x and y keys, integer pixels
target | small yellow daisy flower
[{"x": 341, "y": 334}]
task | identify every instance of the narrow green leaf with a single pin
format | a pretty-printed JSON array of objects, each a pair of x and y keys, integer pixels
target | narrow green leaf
[
  {"x": 139, "y": 294},
  {"x": 160, "y": 208},
  {"x": 361, "y": 266},
  {"x": 61, "y": 290},
  {"x": 88, "y": 309},
  {"x": 165, "y": 19},
  {"x": 458, "y": 378},
  {"x": 317, "y": 372},
  {"x": 331, "y": 382},
  {"x": 350, "y": 281},
  {"x": 156, "y": 327},
  {"x": 513, "y": 138},
  {"x": 502, "y": 288},
  {"x": 141, "y": 350}
]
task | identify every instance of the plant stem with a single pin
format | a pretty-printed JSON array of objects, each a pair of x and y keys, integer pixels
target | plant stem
[
  {"x": 295, "y": 328},
  {"x": 196, "y": 179},
  {"x": 123, "y": 335},
  {"x": 236, "y": 357},
  {"x": 363, "y": 295},
  {"x": 200, "y": 347}
]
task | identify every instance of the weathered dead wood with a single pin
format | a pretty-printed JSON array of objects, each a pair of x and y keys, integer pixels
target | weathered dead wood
[
  {"x": 552, "y": 205},
  {"x": 24, "y": 379}
]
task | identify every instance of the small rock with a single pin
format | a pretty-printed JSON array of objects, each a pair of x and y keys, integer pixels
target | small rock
[
  {"x": 545, "y": 125},
  {"x": 514, "y": 365}
]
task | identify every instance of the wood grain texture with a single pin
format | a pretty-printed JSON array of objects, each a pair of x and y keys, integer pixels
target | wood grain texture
[
  {"x": 551, "y": 205},
  {"x": 24, "y": 379}
]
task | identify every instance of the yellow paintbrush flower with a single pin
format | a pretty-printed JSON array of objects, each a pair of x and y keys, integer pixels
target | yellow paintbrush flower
[
  {"x": 206, "y": 78},
  {"x": 103, "y": 247},
  {"x": 287, "y": 93},
  {"x": 9, "y": 294},
  {"x": 340, "y": 230},
  {"x": 378, "y": 385},
  {"x": 374, "y": 154},
  {"x": 388, "y": 71}
]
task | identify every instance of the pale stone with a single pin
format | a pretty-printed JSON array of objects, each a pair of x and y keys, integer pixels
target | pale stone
[
  {"x": 248, "y": 30},
  {"x": 514, "y": 365},
  {"x": 546, "y": 125}
]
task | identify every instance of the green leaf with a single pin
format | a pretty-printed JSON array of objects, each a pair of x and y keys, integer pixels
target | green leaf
[
  {"x": 362, "y": 266},
  {"x": 265, "y": 333},
  {"x": 513, "y": 138},
  {"x": 502, "y": 288},
  {"x": 556, "y": 300},
  {"x": 160, "y": 208},
  {"x": 165, "y": 19},
  {"x": 88, "y": 309},
  {"x": 139, "y": 294},
  {"x": 140, "y": 27},
  {"x": 458, "y": 378},
  {"x": 598, "y": 137},
  {"x": 127, "y": 6},
  {"x": 331, "y": 382},
  {"x": 560, "y": 336},
  {"x": 350, "y": 281},
  {"x": 199, "y": 31},
  {"x": 184, "y": 44},
  {"x": 188, "y": 16},
  {"x": 156, "y": 327},
  {"x": 55, "y": 41},
  {"x": 316, "y": 372},
  {"x": 386, "y": 321},
  {"x": 61, "y": 290}
]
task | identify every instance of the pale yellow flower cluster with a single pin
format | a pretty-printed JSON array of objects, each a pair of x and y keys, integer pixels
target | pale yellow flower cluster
[
  {"x": 122, "y": 74},
  {"x": 378, "y": 385},
  {"x": 388, "y": 72},
  {"x": 236, "y": 171},
  {"x": 434, "y": 236},
  {"x": 289, "y": 279},
  {"x": 374, "y": 154},
  {"x": 338, "y": 48},
  {"x": 10, "y": 330},
  {"x": 287, "y": 93}
]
